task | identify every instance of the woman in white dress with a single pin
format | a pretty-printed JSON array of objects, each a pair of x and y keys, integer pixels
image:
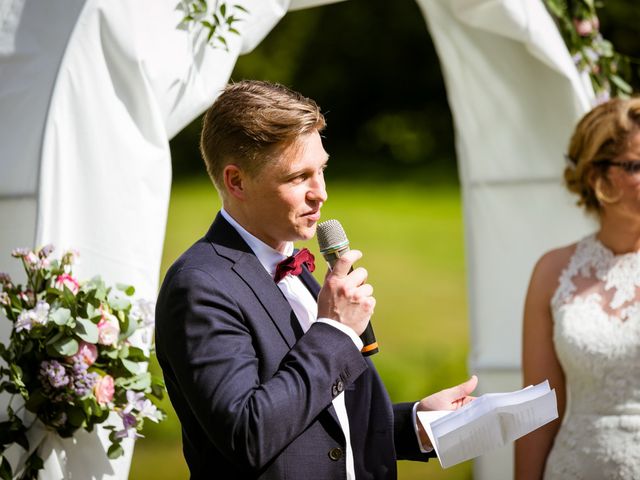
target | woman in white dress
[{"x": 582, "y": 313}]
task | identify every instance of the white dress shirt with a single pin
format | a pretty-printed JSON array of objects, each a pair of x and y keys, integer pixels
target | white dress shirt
[{"x": 306, "y": 309}]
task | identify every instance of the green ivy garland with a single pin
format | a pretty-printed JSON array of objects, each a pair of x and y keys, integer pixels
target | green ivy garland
[{"x": 579, "y": 25}]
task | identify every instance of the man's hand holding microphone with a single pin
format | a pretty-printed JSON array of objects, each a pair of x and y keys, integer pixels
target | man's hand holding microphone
[{"x": 345, "y": 296}]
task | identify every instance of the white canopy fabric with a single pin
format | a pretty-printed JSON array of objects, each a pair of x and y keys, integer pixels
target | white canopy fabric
[
  {"x": 515, "y": 96},
  {"x": 91, "y": 91}
]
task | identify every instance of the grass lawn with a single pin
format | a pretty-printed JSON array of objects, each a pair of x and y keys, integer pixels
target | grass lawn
[{"x": 411, "y": 237}]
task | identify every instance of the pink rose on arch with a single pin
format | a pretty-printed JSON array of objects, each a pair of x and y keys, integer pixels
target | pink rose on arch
[
  {"x": 87, "y": 353},
  {"x": 108, "y": 329},
  {"x": 66, "y": 280},
  {"x": 586, "y": 27},
  {"x": 104, "y": 390}
]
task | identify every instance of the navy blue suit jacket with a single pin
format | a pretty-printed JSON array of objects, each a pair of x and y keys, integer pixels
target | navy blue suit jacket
[{"x": 252, "y": 392}]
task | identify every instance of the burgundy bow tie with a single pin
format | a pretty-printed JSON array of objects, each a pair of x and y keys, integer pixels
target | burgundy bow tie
[{"x": 293, "y": 265}]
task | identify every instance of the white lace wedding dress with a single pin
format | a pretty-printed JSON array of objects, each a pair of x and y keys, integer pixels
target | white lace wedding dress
[{"x": 596, "y": 313}]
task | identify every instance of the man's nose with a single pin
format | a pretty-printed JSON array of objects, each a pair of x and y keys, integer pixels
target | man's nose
[{"x": 318, "y": 190}]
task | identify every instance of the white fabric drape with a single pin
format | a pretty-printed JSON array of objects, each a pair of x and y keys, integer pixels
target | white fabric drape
[{"x": 515, "y": 96}]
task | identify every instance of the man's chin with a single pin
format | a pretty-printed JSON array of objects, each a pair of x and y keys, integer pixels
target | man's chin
[{"x": 307, "y": 232}]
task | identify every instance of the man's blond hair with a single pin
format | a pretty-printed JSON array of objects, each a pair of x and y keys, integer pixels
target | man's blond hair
[{"x": 250, "y": 122}]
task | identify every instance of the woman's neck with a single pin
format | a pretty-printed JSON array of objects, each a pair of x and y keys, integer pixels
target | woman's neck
[{"x": 619, "y": 235}]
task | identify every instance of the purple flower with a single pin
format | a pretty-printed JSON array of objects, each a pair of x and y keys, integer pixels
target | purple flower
[
  {"x": 54, "y": 374},
  {"x": 83, "y": 380},
  {"x": 45, "y": 251},
  {"x": 577, "y": 58},
  {"x": 129, "y": 424},
  {"x": 145, "y": 407}
]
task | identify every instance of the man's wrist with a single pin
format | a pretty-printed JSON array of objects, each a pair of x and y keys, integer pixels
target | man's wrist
[
  {"x": 423, "y": 439},
  {"x": 345, "y": 329}
]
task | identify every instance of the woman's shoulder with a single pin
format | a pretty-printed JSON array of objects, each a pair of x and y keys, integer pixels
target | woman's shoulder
[{"x": 549, "y": 267}]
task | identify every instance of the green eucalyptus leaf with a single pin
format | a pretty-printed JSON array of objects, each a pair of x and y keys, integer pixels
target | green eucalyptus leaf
[
  {"x": 75, "y": 416},
  {"x": 128, "y": 289},
  {"x": 621, "y": 84},
  {"x": 55, "y": 338},
  {"x": 61, "y": 316},
  {"x": 130, "y": 326},
  {"x": 66, "y": 346},
  {"x": 137, "y": 354},
  {"x": 118, "y": 303},
  {"x": 86, "y": 330},
  {"x": 133, "y": 367},
  {"x": 123, "y": 352},
  {"x": 223, "y": 10},
  {"x": 140, "y": 382},
  {"x": 111, "y": 353},
  {"x": 115, "y": 451},
  {"x": 67, "y": 296}
]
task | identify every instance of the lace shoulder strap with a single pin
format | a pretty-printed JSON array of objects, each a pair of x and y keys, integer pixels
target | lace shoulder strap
[{"x": 579, "y": 263}]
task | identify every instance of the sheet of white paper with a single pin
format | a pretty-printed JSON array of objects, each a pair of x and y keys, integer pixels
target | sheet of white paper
[{"x": 489, "y": 422}]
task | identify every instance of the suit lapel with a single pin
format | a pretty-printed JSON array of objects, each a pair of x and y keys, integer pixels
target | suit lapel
[
  {"x": 228, "y": 243},
  {"x": 256, "y": 277}
]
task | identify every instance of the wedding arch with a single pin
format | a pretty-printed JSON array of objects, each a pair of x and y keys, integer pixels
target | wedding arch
[{"x": 91, "y": 91}]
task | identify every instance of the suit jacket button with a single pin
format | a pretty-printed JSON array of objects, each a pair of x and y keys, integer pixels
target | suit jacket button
[
  {"x": 334, "y": 390},
  {"x": 340, "y": 386},
  {"x": 335, "y": 454}
]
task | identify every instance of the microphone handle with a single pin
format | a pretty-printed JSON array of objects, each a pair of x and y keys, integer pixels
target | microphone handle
[
  {"x": 368, "y": 337},
  {"x": 369, "y": 340}
]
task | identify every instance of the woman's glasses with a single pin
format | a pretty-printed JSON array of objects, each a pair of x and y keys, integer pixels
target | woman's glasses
[{"x": 631, "y": 167}]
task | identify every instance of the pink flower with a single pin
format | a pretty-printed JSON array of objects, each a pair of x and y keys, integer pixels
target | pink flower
[
  {"x": 108, "y": 329},
  {"x": 586, "y": 27},
  {"x": 66, "y": 280},
  {"x": 30, "y": 259},
  {"x": 104, "y": 390},
  {"x": 87, "y": 353}
]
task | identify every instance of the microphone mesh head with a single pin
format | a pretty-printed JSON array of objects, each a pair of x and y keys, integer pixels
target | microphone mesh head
[{"x": 331, "y": 234}]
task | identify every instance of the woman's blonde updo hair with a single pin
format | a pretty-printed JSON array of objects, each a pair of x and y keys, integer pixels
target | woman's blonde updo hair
[{"x": 601, "y": 135}]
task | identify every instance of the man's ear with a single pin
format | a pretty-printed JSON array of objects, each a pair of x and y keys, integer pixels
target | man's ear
[{"x": 234, "y": 181}]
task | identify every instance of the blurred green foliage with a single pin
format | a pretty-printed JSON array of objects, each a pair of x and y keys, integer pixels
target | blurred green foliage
[{"x": 372, "y": 67}]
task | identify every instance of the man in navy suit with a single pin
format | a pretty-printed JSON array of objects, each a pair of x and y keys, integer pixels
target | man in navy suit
[{"x": 266, "y": 374}]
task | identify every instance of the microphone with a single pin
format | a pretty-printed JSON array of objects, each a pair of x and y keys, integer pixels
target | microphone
[{"x": 333, "y": 243}]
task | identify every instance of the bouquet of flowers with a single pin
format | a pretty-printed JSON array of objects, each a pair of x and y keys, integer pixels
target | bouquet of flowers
[{"x": 76, "y": 353}]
